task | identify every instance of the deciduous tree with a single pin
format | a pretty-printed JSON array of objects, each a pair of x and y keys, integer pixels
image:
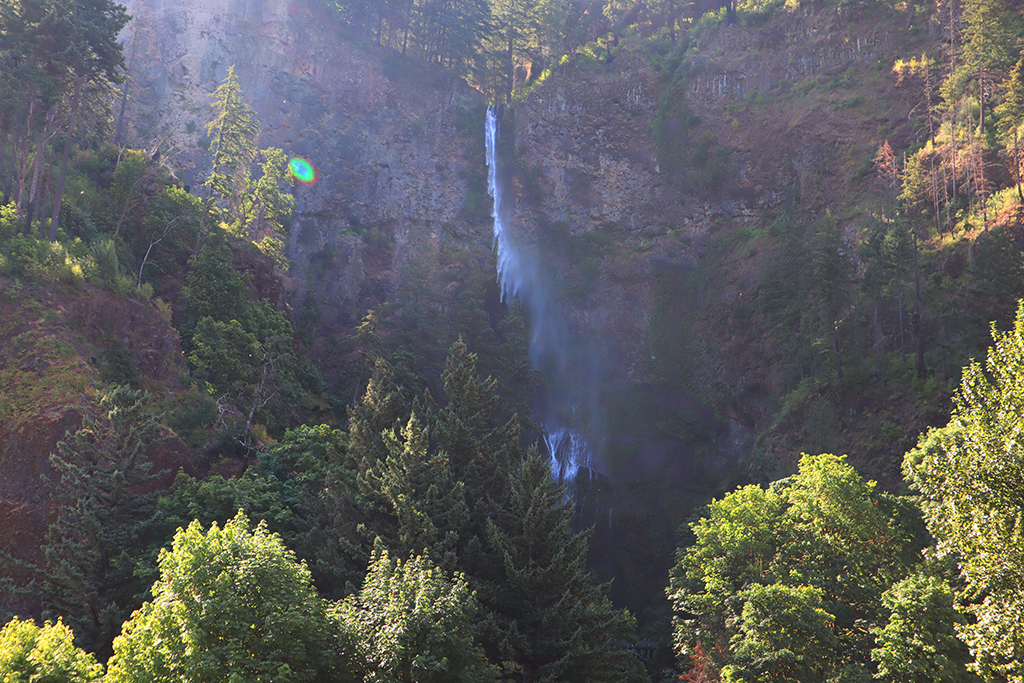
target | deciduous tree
[
  {"x": 231, "y": 604},
  {"x": 969, "y": 473}
]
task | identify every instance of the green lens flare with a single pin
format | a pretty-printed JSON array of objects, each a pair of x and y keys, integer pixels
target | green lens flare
[{"x": 303, "y": 170}]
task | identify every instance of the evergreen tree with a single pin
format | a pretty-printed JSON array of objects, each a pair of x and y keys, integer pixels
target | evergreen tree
[
  {"x": 514, "y": 40},
  {"x": 1011, "y": 122},
  {"x": 234, "y": 130},
  {"x": 213, "y": 288},
  {"x": 415, "y": 490},
  {"x": 832, "y": 270},
  {"x": 546, "y": 620},
  {"x": 105, "y": 509},
  {"x": 382, "y": 408},
  {"x": 987, "y": 44}
]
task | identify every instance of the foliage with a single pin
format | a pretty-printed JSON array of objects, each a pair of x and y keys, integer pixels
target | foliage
[
  {"x": 918, "y": 642},
  {"x": 969, "y": 473},
  {"x": 251, "y": 208},
  {"x": 412, "y": 623},
  {"x": 44, "y": 654},
  {"x": 242, "y": 353},
  {"x": 231, "y": 604},
  {"x": 301, "y": 489},
  {"x": 105, "y": 508},
  {"x": 789, "y": 574},
  {"x": 547, "y": 620},
  {"x": 783, "y": 635}
]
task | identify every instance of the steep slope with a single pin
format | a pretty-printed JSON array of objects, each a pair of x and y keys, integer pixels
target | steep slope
[{"x": 58, "y": 348}]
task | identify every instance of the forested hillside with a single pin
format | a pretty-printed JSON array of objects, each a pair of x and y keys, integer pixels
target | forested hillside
[{"x": 267, "y": 414}]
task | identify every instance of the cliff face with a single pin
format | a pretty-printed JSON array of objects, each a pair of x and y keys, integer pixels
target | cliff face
[
  {"x": 394, "y": 145},
  {"x": 639, "y": 181},
  {"x": 52, "y": 343}
]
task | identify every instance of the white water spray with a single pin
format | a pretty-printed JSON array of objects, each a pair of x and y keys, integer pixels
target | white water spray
[
  {"x": 518, "y": 278},
  {"x": 510, "y": 273}
]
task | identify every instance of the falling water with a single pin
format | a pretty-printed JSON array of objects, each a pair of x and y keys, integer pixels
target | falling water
[
  {"x": 518, "y": 277},
  {"x": 510, "y": 271}
]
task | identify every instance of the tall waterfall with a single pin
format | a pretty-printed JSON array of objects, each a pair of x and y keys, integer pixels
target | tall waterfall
[{"x": 520, "y": 276}]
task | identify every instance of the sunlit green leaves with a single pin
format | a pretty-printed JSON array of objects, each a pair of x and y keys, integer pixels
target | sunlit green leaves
[
  {"x": 32, "y": 654},
  {"x": 971, "y": 473},
  {"x": 231, "y": 604},
  {"x": 412, "y": 623}
]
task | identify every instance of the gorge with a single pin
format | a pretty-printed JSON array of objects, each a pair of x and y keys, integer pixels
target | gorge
[{"x": 691, "y": 248}]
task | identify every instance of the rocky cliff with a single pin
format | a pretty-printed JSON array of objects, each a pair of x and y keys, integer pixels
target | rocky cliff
[
  {"x": 394, "y": 145},
  {"x": 640, "y": 179},
  {"x": 54, "y": 349}
]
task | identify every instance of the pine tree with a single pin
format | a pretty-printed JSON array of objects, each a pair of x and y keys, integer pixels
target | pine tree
[
  {"x": 415, "y": 491},
  {"x": 234, "y": 130},
  {"x": 546, "y": 619},
  {"x": 1011, "y": 121},
  {"x": 382, "y": 408},
  {"x": 105, "y": 508}
]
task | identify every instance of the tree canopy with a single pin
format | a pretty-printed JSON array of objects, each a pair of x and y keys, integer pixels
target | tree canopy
[{"x": 970, "y": 474}]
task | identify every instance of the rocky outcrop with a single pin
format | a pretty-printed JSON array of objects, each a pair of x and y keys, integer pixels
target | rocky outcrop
[
  {"x": 393, "y": 143},
  {"x": 51, "y": 342}
]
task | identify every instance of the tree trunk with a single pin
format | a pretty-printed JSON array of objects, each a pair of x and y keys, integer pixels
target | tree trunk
[
  {"x": 839, "y": 357},
  {"x": 64, "y": 162},
  {"x": 3, "y": 158},
  {"x": 9, "y": 176},
  {"x": 511, "y": 66},
  {"x": 1016, "y": 164},
  {"x": 40, "y": 151},
  {"x": 899, "y": 300}
]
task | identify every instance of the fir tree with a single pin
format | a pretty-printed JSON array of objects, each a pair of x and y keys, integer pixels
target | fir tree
[
  {"x": 382, "y": 408},
  {"x": 547, "y": 620},
  {"x": 104, "y": 513},
  {"x": 416, "y": 492},
  {"x": 234, "y": 130}
]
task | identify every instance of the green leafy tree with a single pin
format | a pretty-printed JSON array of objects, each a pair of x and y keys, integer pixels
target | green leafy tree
[
  {"x": 301, "y": 488},
  {"x": 106, "y": 503},
  {"x": 969, "y": 473},
  {"x": 242, "y": 352},
  {"x": 831, "y": 546},
  {"x": 412, "y": 623},
  {"x": 783, "y": 635},
  {"x": 918, "y": 643},
  {"x": 231, "y": 604},
  {"x": 44, "y": 654},
  {"x": 56, "y": 48}
]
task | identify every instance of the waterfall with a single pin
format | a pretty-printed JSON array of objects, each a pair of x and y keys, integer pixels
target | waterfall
[
  {"x": 510, "y": 273},
  {"x": 519, "y": 277}
]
